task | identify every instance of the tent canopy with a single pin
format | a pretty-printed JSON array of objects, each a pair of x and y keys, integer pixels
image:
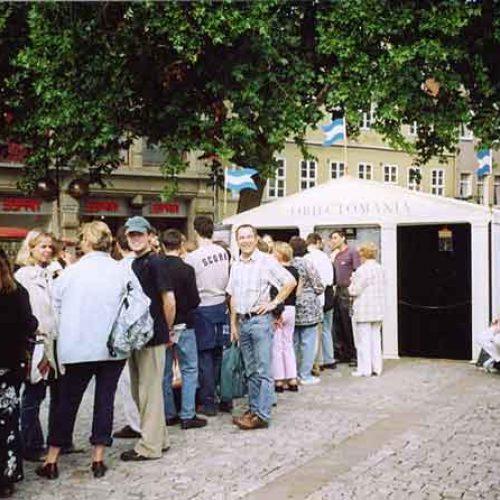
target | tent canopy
[{"x": 352, "y": 201}]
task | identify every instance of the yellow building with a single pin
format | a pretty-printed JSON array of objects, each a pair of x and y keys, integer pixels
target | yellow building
[{"x": 367, "y": 157}]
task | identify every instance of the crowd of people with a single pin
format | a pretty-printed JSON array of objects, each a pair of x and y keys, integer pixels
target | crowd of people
[{"x": 292, "y": 308}]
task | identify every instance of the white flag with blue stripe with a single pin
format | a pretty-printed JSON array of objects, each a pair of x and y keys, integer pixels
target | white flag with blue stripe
[
  {"x": 334, "y": 132},
  {"x": 240, "y": 178},
  {"x": 485, "y": 162}
]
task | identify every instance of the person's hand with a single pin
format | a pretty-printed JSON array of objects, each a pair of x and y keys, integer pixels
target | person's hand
[
  {"x": 44, "y": 366},
  {"x": 235, "y": 334},
  {"x": 265, "y": 308},
  {"x": 278, "y": 322}
]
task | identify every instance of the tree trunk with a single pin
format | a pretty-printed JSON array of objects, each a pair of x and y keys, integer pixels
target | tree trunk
[{"x": 250, "y": 198}]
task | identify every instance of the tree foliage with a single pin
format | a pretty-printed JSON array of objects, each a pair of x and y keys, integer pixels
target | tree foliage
[{"x": 235, "y": 80}]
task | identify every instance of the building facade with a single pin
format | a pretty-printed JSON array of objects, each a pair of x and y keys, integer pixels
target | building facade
[
  {"x": 368, "y": 157},
  {"x": 133, "y": 189}
]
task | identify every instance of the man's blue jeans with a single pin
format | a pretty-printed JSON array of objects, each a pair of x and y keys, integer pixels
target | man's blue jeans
[
  {"x": 188, "y": 364},
  {"x": 327, "y": 356},
  {"x": 304, "y": 339},
  {"x": 256, "y": 340}
]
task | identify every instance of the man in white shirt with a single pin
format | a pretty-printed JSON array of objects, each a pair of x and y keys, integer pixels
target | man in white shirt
[
  {"x": 325, "y": 270},
  {"x": 250, "y": 281},
  {"x": 211, "y": 321}
]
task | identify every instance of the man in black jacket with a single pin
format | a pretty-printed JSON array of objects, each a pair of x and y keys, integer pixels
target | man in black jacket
[{"x": 182, "y": 339}]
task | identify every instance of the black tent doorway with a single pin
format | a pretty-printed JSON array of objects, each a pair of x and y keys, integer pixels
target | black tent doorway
[{"x": 434, "y": 291}]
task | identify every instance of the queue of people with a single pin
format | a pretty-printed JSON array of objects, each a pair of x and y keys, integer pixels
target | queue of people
[{"x": 277, "y": 300}]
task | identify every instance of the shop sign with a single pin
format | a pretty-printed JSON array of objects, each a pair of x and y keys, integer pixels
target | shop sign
[
  {"x": 165, "y": 209},
  {"x": 14, "y": 204},
  {"x": 110, "y": 206}
]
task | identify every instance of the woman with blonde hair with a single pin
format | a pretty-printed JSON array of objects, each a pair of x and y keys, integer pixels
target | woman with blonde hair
[
  {"x": 34, "y": 258},
  {"x": 367, "y": 288},
  {"x": 284, "y": 362},
  {"x": 86, "y": 300},
  {"x": 17, "y": 324}
]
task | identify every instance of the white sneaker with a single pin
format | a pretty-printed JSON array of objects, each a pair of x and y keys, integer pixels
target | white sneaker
[
  {"x": 359, "y": 374},
  {"x": 310, "y": 381}
]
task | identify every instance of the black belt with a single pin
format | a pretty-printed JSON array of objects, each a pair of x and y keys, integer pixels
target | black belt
[{"x": 247, "y": 316}]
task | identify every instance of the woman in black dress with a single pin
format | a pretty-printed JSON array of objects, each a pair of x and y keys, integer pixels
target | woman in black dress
[{"x": 17, "y": 323}]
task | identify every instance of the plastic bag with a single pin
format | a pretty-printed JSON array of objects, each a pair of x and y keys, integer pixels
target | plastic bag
[{"x": 232, "y": 381}]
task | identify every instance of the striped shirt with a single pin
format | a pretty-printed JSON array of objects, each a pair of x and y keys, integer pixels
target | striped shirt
[{"x": 250, "y": 280}]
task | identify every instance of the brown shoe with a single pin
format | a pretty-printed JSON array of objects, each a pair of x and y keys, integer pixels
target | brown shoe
[
  {"x": 243, "y": 418},
  {"x": 255, "y": 422}
]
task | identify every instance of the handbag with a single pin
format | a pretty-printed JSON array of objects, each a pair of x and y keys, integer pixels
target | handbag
[
  {"x": 132, "y": 328},
  {"x": 329, "y": 298},
  {"x": 233, "y": 381}
]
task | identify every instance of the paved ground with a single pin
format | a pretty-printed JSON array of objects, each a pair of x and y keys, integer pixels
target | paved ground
[{"x": 423, "y": 430}]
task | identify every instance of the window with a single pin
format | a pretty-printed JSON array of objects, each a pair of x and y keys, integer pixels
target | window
[
  {"x": 412, "y": 129},
  {"x": 365, "y": 171},
  {"x": 368, "y": 119},
  {"x": 480, "y": 190},
  {"x": 437, "y": 182},
  {"x": 391, "y": 174},
  {"x": 276, "y": 186},
  {"x": 308, "y": 169},
  {"x": 496, "y": 189},
  {"x": 465, "y": 133},
  {"x": 465, "y": 187},
  {"x": 414, "y": 178},
  {"x": 337, "y": 170}
]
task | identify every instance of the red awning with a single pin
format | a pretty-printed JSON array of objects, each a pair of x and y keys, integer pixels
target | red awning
[{"x": 14, "y": 233}]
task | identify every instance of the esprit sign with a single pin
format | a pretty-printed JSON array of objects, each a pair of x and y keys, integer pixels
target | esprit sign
[
  {"x": 368, "y": 208},
  {"x": 165, "y": 209},
  {"x": 104, "y": 206},
  {"x": 22, "y": 205}
]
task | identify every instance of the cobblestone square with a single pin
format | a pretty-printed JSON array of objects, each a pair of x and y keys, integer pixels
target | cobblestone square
[{"x": 425, "y": 429}]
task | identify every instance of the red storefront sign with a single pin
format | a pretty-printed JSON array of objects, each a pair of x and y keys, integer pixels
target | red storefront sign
[
  {"x": 98, "y": 206},
  {"x": 164, "y": 208},
  {"x": 20, "y": 205}
]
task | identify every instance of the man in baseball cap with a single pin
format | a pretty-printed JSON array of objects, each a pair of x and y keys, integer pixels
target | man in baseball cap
[
  {"x": 137, "y": 224},
  {"x": 147, "y": 364}
]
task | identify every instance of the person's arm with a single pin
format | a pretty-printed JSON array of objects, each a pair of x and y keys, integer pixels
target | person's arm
[
  {"x": 169, "y": 308},
  {"x": 193, "y": 294},
  {"x": 235, "y": 332},
  {"x": 358, "y": 283},
  {"x": 283, "y": 281}
]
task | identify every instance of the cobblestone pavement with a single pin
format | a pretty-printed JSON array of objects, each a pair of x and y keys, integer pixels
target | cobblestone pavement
[{"x": 425, "y": 429}]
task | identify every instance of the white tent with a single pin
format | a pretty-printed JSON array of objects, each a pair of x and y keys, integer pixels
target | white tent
[{"x": 350, "y": 202}]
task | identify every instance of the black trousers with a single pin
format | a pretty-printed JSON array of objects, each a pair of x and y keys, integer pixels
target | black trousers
[
  {"x": 72, "y": 388},
  {"x": 344, "y": 339},
  {"x": 209, "y": 366}
]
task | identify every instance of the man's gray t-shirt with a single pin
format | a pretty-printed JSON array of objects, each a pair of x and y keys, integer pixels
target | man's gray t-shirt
[{"x": 211, "y": 266}]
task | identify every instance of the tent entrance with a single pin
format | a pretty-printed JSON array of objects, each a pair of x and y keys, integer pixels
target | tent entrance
[{"x": 434, "y": 291}]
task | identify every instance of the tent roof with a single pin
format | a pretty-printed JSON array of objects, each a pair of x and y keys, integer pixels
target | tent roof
[{"x": 352, "y": 201}]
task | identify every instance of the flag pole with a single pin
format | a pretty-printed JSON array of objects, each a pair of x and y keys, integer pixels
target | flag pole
[
  {"x": 346, "y": 166},
  {"x": 225, "y": 193}
]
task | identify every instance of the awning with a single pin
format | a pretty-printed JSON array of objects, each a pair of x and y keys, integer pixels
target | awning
[{"x": 14, "y": 233}]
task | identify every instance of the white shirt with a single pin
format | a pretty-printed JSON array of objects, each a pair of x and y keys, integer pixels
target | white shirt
[
  {"x": 324, "y": 267},
  {"x": 86, "y": 298},
  {"x": 251, "y": 280},
  {"x": 211, "y": 267}
]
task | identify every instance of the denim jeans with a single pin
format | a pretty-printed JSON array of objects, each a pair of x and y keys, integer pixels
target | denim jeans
[
  {"x": 256, "y": 343},
  {"x": 72, "y": 388},
  {"x": 209, "y": 364},
  {"x": 304, "y": 339},
  {"x": 188, "y": 364},
  {"x": 31, "y": 428},
  {"x": 327, "y": 339}
]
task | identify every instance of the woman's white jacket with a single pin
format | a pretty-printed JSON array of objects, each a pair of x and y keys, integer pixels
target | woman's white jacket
[{"x": 86, "y": 298}]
